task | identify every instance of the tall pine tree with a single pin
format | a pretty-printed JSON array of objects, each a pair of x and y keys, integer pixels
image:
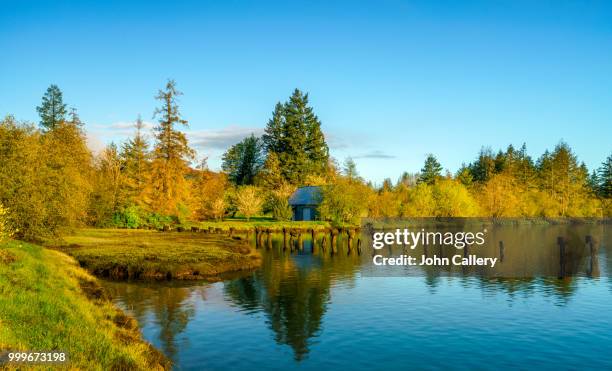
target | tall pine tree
[
  {"x": 294, "y": 134},
  {"x": 605, "y": 178},
  {"x": 135, "y": 163},
  {"x": 431, "y": 171},
  {"x": 52, "y": 110},
  {"x": 243, "y": 160},
  {"x": 171, "y": 155}
]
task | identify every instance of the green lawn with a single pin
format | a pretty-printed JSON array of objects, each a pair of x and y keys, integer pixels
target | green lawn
[
  {"x": 49, "y": 303},
  {"x": 144, "y": 254}
]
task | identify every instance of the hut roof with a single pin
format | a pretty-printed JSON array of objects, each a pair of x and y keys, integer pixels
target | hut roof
[{"x": 310, "y": 195}]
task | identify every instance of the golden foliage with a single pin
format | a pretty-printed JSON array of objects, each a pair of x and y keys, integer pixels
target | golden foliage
[
  {"x": 6, "y": 230},
  {"x": 249, "y": 201}
]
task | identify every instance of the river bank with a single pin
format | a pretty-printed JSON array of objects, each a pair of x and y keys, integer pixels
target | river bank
[
  {"x": 48, "y": 303},
  {"x": 143, "y": 254}
]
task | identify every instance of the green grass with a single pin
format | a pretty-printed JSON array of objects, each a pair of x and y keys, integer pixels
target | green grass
[
  {"x": 242, "y": 223},
  {"x": 143, "y": 254},
  {"x": 49, "y": 303}
]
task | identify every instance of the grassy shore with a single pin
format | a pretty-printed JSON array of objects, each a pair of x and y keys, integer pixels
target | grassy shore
[
  {"x": 47, "y": 302},
  {"x": 242, "y": 223},
  {"x": 143, "y": 254},
  {"x": 265, "y": 222}
]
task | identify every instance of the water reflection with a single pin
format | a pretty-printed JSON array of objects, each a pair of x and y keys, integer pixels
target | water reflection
[
  {"x": 293, "y": 289},
  {"x": 294, "y": 292},
  {"x": 169, "y": 304}
]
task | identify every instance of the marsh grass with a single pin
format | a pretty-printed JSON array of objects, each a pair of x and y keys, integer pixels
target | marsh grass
[
  {"x": 47, "y": 302},
  {"x": 144, "y": 254}
]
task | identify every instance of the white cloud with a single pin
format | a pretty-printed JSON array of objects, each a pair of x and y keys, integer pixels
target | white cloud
[
  {"x": 120, "y": 129},
  {"x": 375, "y": 154},
  {"x": 221, "y": 139}
]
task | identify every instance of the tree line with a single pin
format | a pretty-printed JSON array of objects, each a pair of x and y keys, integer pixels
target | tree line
[{"x": 50, "y": 180}]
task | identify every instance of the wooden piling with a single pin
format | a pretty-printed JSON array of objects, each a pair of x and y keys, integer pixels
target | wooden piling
[
  {"x": 501, "y": 251},
  {"x": 258, "y": 233},
  {"x": 588, "y": 240},
  {"x": 334, "y": 241},
  {"x": 300, "y": 241},
  {"x": 351, "y": 235},
  {"x": 561, "y": 243},
  {"x": 284, "y": 238},
  {"x": 594, "y": 261},
  {"x": 269, "y": 239}
]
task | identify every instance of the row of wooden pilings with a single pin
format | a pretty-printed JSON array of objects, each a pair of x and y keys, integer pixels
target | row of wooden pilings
[{"x": 293, "y": 238}]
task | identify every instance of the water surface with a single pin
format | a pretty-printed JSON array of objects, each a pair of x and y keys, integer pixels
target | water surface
[{"x": 309, "y": 309}]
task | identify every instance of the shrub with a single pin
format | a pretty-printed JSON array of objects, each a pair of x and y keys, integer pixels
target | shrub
[
  {"x": 6, "y": 230},
  {"x": 157, "y": 221},
  {"x": 281, "y": 210}
]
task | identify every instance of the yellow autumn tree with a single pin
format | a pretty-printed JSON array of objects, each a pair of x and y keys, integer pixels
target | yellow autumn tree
[
  {"x": 452, "y": 199},
  {"x": 500, "y": 196},
  {"x": 249, "y": 201}
]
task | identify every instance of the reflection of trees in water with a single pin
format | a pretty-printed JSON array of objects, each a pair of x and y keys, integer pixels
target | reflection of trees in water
[
  {"x": 293, "y": 292},
  {"x": 168, "y": 303},
  {"x": 531, "y": 264}
]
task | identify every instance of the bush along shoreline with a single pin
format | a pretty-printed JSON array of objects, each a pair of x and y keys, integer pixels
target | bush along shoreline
[{"x": 48, "y": 303}]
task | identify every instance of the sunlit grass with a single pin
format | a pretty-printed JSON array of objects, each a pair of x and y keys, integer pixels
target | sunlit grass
[
  {"x": 49, "y": 303},
  {"x": 242, "y": 224},
  {"x": 143, "y": 254}
]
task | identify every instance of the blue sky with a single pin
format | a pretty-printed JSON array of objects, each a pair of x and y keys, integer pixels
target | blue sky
[{"x": 390, "y": 80}]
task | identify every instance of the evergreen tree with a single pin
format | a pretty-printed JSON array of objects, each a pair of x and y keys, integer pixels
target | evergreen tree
[
  {"x": 74, "y": 118},
  {"x": 593, "y": 183},
  {"x": 52, "y": 110},
  {"x": 294, "y": 134},
  {"x": 464, "y": 176},
  {"x": 387, "y": 185},
  {"x": 135, "y": 162},
  {"x": 350, "y": 169},
  {"x": 171, "y": 154},
  {"x": 525, "y": 170},
  {"x": 484, "y": 167},
  {"x": 605, "y": 178},
  {"x": 431, "y": 171},
  {"x": 273, "y": 134},
  {"x": 562, "y": 178},
  {"x": 244, "y": 160},
  {"x": 270, "y": 176}
]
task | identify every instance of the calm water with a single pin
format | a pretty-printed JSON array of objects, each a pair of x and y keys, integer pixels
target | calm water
[{"x": 307, "y": 310}]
